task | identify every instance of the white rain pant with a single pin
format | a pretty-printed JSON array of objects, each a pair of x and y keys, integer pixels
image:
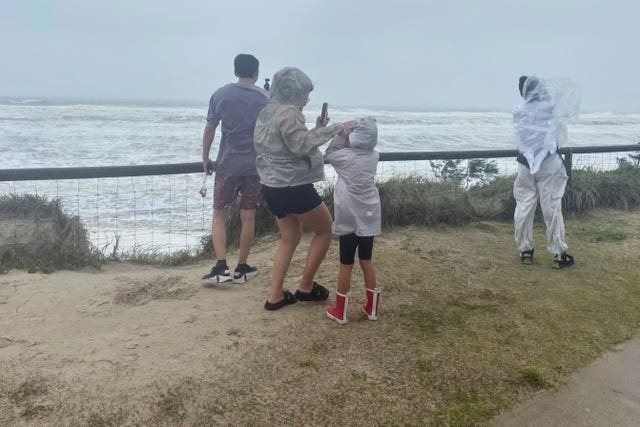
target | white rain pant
[{"x": 548, "y": 184}]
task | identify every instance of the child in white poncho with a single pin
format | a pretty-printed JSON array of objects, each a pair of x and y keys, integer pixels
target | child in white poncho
[{"x": 356, "y": 212}]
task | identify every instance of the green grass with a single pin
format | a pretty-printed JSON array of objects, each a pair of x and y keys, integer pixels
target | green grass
[
  {"x": 588, "y": 189},
  {"x": 608, "y": 236},
  {"x": 532, "y": 377},
  {"x": 154, "y": 256},
  {"x": 465, "y": 333}
]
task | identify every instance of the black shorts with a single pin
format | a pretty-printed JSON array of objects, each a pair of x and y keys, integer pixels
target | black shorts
[
  {"x": 287, "y": 200},
  {"x": 348, "y": 245}
]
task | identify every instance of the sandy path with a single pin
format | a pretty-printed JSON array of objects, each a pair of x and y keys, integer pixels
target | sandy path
[
  {"x": 604, "y": 393},
  {"x": 128, "y": 327},
  {"x": 124, "y": 318}
]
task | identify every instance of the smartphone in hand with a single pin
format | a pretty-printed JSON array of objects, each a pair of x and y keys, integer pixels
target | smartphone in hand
[{"x": 325, "y": 112}]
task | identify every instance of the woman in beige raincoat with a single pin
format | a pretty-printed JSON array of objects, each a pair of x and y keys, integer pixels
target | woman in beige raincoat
[{"x": 288, "y": 163}]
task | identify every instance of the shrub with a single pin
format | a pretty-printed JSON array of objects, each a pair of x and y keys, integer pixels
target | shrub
[{"x": 38, "y": 235}]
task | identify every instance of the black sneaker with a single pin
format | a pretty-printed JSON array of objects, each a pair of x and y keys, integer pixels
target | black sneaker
[
  {"x": 562, "y": 260},
  {"x": 243, "y": 273},
  {"x": 218, "y": 274}
]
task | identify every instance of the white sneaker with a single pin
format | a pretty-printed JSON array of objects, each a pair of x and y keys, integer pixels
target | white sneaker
[
  {"x": 217, "y": 275},
  {"x": 243, "y": 273}
]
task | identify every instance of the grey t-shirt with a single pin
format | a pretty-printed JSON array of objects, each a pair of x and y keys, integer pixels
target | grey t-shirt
[{"x": 237, "y": 106}]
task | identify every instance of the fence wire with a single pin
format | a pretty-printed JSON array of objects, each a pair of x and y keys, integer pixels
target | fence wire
[{"x": 166, "y": 212}]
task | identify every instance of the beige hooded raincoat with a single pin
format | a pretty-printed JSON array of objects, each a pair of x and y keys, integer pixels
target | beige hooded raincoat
[{"x": 287, "y": 152}]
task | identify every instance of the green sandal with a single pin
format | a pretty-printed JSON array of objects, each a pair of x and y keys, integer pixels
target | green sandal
[{"x": 526, "y": 257}]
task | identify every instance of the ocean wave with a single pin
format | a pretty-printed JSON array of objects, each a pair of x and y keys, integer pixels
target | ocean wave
[
  {"x": 25, "y": 101},
  {"x": 118, "y": 134},
  {"x": 183, "y": 119},
  {"x": 101, "y": 118},
  {"x": 18, "y": 119}
]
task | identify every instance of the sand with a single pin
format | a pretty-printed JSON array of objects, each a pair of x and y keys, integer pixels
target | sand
[{"x": 127, "y": 327}]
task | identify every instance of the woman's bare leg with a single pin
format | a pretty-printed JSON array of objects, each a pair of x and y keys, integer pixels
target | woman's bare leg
[
  {"x": 319, "y": 221},
  {"x": 290, "y": 232}
]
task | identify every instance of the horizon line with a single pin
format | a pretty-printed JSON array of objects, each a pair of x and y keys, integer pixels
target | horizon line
[{"x": 84, "y": 100}]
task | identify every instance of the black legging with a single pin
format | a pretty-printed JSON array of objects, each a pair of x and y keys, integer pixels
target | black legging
[{"x": 348, "y": 245}]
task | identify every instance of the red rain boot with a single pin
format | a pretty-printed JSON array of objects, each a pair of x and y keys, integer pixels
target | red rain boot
[
  {"x": 372, "y": 307},
  {"x": 339, "y": 312}
]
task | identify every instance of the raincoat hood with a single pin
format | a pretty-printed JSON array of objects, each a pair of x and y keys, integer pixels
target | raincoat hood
[
  {"x": 365, "y": 134},
  {"x": 533, "y": 89},
  {"x": 291, "y": 86}
]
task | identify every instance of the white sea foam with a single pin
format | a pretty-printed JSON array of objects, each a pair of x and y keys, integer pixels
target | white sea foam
[{"x": 168, "y": 210}]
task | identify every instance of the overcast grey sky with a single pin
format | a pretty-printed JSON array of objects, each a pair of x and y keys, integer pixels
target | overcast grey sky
[{"x": 421, "y": 54}]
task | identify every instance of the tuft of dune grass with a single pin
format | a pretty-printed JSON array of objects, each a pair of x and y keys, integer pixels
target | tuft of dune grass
[
  {"x": 58, "y": 241},
  {"x": 417, "y": 201}
]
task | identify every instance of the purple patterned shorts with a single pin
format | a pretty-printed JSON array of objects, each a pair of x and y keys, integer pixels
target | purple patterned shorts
[{"x": 226, "y": 190}]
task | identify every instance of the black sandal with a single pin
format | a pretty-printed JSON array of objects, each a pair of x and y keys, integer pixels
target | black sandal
[
  {"x": 562, "y": 260},
  {"x": 287, "y": 300},
  {"x": 318, "y": 293}
]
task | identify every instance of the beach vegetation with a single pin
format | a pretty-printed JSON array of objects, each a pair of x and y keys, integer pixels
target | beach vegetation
[
  {"x": 632, "y": 159},
  {"x": 419, "y": 201},
  {"x": 461, "y": 193},
  {"x": 38, "y": 236}
]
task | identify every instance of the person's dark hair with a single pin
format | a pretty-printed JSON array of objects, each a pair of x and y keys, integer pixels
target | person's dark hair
[
  {"x": 521, "y": 84},
  {"x": 245, "y": 65}
]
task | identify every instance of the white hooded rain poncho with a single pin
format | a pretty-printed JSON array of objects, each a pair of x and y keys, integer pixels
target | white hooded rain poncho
[
  {"x": 540, "y": 123},
  {"x": 287, "y": 152},
  {"x": 540, "y": 128},
  {"x": 356, "y": 200}
]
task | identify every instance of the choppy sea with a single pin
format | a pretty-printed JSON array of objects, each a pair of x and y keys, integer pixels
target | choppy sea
[{"x": 167, "y": 212}]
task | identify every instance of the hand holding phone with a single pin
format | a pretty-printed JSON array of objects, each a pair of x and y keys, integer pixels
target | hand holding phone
[{"x": 323, "y": 119}]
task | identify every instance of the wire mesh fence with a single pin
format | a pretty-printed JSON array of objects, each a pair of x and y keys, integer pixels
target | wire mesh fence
[
  {"x": 166, "y": 213},
  {"x": 159, "y": 212}
]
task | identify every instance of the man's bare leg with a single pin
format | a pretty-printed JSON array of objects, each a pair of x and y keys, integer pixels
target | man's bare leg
[
  {"x": 248, "y": 218},
  {"x": 219, "y": 233}
]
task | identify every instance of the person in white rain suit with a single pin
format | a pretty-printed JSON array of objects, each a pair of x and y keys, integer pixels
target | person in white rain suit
[
  {"x": 288, "y": 163},
  {"x": 357, "y": 212},
  {"x": 540, "y": 126}
]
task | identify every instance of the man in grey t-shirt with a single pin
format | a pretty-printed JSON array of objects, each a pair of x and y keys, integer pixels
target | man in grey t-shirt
[{"x": 235, "y": 107}]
